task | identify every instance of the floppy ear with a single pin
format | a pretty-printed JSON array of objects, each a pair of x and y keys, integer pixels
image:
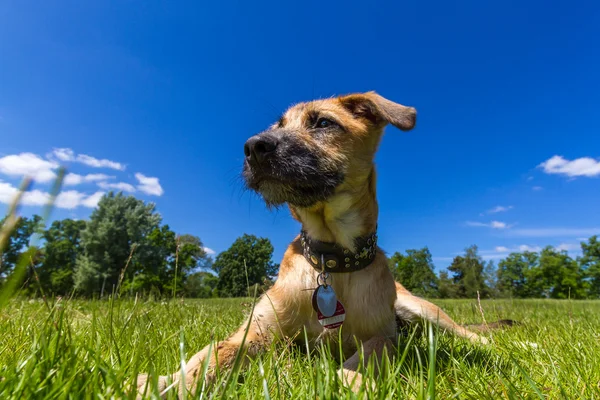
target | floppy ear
[{"x": 378, "y": 109}]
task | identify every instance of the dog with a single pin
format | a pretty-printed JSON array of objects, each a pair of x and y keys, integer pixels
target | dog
[{"x": 318, "y": 158}]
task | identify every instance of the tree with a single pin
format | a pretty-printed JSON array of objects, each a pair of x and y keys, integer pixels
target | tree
[
  {"x": 191, "y": 252},
  {"x": 590, "y": 260},
  {"x": 150, "y": 271},
  {"x": 201, "y": 285},
  {"x": 446, "y": 286},
  {"x": 490, "y": 278},
  {"x": 118, "y": 228},
  {"x": 246, "y": 263},
  {"x": 18, "y": 242},
  {"x": 513, "y": 273},
  {"x": 62, "y": 245},
  {"x": 189, "y": 255},
  {"x": 557, "y": 276},
  {"x": 415, "y": 272},
  {"x": 468, "y": 274}
]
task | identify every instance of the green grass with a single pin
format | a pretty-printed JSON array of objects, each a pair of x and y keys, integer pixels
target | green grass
[{"x": 88, "y": 349}]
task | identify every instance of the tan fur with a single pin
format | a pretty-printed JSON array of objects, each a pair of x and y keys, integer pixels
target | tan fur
[{"x": 371, "y": 298}]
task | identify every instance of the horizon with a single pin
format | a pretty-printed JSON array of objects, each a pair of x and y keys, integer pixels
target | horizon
[{"x": 158, "y": 100}]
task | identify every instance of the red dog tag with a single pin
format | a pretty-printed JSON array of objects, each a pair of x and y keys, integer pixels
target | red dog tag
[{"x": 334, "y": 321}]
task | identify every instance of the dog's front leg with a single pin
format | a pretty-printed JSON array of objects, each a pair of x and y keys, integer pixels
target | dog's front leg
[
  {"x": 253, "y": 336},
  {"x": 372, "y": 349}
]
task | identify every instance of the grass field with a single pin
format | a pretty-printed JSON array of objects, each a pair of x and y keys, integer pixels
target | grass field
[{"x": 87, "y": 349}]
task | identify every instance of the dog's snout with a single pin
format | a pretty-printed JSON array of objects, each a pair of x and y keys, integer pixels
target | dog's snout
[{"x": 259, "y": 147}]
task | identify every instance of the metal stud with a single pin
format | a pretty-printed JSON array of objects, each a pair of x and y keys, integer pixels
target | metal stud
[
  {"x": 346, "y": 251},
  {"x": 369, "y": 241},
  {"x": 347, "y": 265},
  {"x": 314, "y": 259},
  {"x": 356, "y": 263},
  {"x": 331, "y": 264},
  {"x": 347, "y": 259}
]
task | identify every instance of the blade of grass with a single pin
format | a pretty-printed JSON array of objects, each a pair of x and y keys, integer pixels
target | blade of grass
[{"x": 15, "y": 279}]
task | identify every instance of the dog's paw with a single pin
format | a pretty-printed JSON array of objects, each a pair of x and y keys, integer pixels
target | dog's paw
[
  {"x": 478, "y": 339},
  {"x": 353, "y": 380},
  {"x": 144, "y": 385}
]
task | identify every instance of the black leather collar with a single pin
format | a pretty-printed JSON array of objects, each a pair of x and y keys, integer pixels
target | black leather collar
[{"x": 335, "y": 257}]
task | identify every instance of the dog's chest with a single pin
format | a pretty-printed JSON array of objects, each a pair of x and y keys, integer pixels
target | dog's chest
[{"x": 369, "y": 309}]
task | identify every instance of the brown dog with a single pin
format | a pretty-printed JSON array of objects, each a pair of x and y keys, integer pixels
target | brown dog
[{"x": 318, "y": 158}]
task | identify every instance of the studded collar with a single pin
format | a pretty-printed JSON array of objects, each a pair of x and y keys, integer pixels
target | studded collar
[{"x": 337, "y": 258}]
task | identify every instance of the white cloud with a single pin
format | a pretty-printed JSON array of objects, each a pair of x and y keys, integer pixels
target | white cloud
[
  {"x": 523, "y": 247},
  {"x": 72, "y": 180},
  {"x": 149, "y": 185},
  {"x": 65, "y": 154},
  {"x": 492, "y": 224},
  {"x": 488, "y": 257},
  {"x": 555, "y": 232},
  {"x": 7, "y": 192},
  {"x": 97, "y": 177},
  {"x": 568, "y": 247},
  {"x": 92, "y": 200},
  {"x": 209, "y": 251},
  {"x": 500, "y": 252},
  {"x": 498, "y": 209},
  {"x": 122, "y": 186},
  {"x": 532, "y": 249},
  {"x": 72, "y": 199},
  {"x": 76, "y": 179},
  {"x": 537, "y": 188},
  {"x": 69, "y": 199},
  {"x": 30, "y": 198},
  {"x": 584, "y": 166},
  {"x": 97, "y": 163},
  {"x": 43, "y": 170},
  {"x": 35, "y": 198},
  {"x": 28, "y": 164}
]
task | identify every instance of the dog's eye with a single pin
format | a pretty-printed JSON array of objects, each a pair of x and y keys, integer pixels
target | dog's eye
[{"x": 325, "y": 123}]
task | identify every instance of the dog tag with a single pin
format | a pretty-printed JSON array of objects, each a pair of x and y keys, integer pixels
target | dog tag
[
  {"x": 335, "y": 320},
  {"x": 325, "y": 300}
]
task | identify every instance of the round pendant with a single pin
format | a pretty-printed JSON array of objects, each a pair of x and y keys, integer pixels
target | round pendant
[
  {"x": 325, "y": 300},
  {"x": 335, "y": 320}
]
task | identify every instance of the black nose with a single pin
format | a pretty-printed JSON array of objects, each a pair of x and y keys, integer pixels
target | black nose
[{"x": 259, "y": 147}]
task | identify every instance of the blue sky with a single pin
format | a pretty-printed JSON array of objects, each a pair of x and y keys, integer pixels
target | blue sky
[{"x": 158, "y": 98}]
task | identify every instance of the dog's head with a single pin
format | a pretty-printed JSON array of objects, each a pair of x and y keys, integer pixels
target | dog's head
[{"x": 319, "y": 147}]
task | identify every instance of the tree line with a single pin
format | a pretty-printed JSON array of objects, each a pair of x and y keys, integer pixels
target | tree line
[
  {"x": 550, "y": 273},
  {"x": 125, "y": 248}
]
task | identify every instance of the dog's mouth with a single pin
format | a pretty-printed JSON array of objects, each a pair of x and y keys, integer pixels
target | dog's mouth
[{"x": 291, "y": 174}]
